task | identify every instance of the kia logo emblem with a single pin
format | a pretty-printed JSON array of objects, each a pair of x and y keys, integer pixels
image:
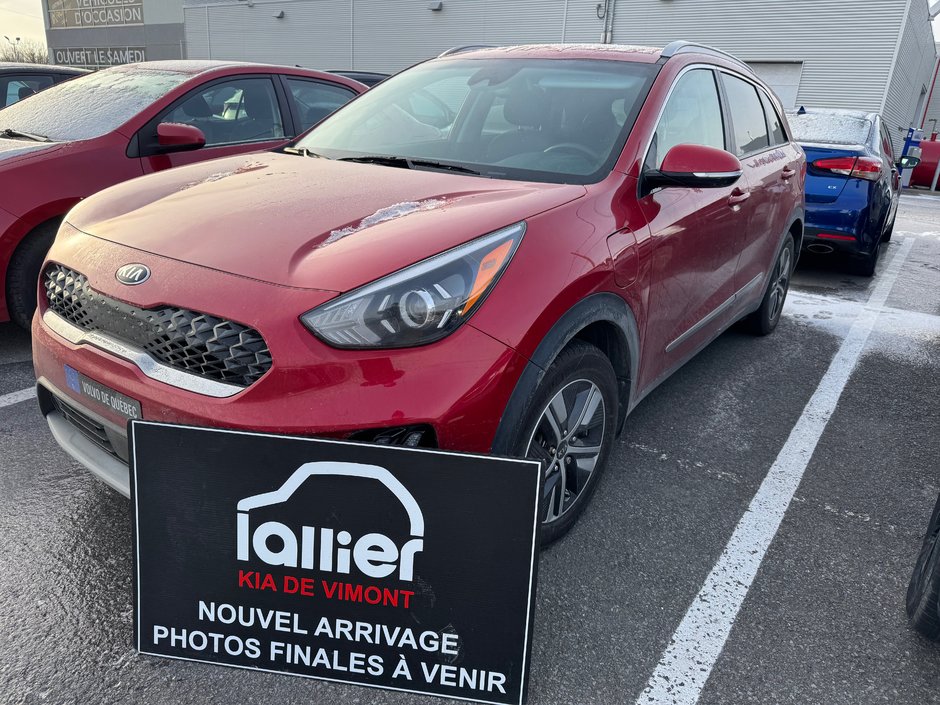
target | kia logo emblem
[{"x": 133, "y": 274}]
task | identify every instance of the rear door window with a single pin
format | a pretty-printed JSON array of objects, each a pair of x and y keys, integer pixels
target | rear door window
[
  {"x": 774, "y": 123},
  {"x": 692, "y": 115},
  {"x": 886, "y": 147},
  {"x": 314, "y": 100},
  {"x": 747, "y": 116}
]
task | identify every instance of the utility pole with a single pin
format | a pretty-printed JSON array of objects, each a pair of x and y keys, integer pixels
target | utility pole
[{"x": 16, "y": 53}]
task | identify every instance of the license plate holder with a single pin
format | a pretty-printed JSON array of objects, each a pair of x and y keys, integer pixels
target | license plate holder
[{"x": 102, "y": 395}]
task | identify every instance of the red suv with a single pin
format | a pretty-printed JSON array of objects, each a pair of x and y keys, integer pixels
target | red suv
[
  {"x": 497, "y": 251},
  {"x": 79, "y": 137}
]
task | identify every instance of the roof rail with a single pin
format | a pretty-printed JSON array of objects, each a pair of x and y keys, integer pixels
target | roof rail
[
  {"x": 684, "y": 47},
  {"x": 465, "y": 47}
]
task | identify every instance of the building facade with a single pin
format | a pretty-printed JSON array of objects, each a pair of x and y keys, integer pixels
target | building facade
[
  {"x": 875, "y": 55},
  {"x": 96, "y": 34}
]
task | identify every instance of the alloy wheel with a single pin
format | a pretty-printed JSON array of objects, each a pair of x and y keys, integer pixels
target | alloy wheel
[
  {"x": 781, "y": 283},
  {"x": 567, "y": 439}
]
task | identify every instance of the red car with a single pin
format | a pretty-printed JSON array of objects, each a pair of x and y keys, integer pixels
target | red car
[
  {"x": 79, "y": 137},
  {"x": 514, "y": 281}
]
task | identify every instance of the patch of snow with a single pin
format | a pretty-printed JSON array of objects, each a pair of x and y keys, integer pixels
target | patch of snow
[
  {"x": 90, "y": 106},
  {"x": 399, "y": 210},
  {"x": 829, "y": 128}
]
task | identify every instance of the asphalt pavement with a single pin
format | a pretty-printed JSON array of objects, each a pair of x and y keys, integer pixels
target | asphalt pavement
[{"x": 841, "y": 401}]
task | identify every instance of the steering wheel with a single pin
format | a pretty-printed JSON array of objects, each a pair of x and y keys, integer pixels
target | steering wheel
[{"x": 573, "y": 147}]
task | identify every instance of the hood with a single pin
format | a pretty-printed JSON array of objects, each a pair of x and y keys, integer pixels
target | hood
[
  {"x": 308, "y": 222},
  {"x": 11, "y": 148}
]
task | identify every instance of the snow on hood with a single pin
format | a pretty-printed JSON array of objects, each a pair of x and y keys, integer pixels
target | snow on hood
[
  {"x": 10, "y": 148},
  {"x": 398, "y": 210}
]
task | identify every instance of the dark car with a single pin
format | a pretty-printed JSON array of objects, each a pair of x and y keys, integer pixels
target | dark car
[
  {"x": 923, "y": 593},
  {"x": 79, "y": 137},
  {"x": 513, "y": 282},
  {"x": 18, "y": 81},
  {"x": 852, "y": 183}
]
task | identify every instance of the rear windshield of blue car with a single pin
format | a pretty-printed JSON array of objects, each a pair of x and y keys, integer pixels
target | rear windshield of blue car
[{"x": 827, "y": 128}]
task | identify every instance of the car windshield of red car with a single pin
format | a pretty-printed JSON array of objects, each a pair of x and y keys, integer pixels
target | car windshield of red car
[
  {"x": 557, "y": 120},
  {"x": 90, "y": 106}
]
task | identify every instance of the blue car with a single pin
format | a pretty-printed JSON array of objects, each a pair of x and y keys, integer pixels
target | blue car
[{"x": 852, "y": 182}]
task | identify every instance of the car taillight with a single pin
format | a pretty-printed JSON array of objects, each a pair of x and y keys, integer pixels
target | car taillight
[{"x": 867, "y": 168}]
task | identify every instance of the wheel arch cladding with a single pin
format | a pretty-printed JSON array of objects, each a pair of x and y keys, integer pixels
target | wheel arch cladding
[{"x": 603, "y": 320}]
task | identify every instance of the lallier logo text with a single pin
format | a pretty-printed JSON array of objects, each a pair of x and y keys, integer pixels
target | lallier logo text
[{"x": 333, "y": 553}]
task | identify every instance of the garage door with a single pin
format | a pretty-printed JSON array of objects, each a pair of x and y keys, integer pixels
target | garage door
[{"x": 783, "y": 77}]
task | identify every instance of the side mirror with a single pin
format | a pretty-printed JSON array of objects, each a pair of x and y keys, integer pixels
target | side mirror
[
  {"x": 908, "y": 162},
  {"x": 177, "y": 137},
  {"x": 694, "y": 166}
]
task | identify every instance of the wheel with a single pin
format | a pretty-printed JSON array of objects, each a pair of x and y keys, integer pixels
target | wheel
[
  {"x": 767, "y": 316},
  {"x": 23, "y": 273},
  {"x": 889, "y": 231},
  {"x": 867, "y": 265},
  {"x": 923, "y": 593},
  {"x": 569, "y": 425}
]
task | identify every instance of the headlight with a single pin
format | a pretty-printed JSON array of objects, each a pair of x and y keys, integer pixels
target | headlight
[{"x": 421, "y": 303}]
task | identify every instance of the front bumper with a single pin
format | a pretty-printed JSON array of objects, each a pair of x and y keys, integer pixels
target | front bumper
[{"x": 458, "y": 386}]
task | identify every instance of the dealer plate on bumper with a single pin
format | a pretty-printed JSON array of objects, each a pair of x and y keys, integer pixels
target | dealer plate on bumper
[{"x": 103, "y": 396}]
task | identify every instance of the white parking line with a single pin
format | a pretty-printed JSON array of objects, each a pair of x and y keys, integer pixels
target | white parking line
[
  {"x": 16, "y": 397},
  {"x": 699, "y": 639}
]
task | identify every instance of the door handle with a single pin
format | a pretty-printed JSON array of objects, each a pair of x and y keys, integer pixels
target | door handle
[
  {"x": 738, "y": 196},
  {"x": 787, "y": 173}
]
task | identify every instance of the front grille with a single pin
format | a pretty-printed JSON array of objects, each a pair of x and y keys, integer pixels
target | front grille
[
  {"x": 91, "y": 429},
  {"x": 194, "y": 342}
]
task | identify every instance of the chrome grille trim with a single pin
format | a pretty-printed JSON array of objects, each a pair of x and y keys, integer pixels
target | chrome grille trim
[{"x": 146, "y": 364}]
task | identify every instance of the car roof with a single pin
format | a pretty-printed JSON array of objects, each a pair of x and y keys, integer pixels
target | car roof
[
  {"x": 622, "y": 52},
  {"x": 617, "y": 52},
  {"x": 197, "y": 67},
  {"x": 14, "y": 67}
]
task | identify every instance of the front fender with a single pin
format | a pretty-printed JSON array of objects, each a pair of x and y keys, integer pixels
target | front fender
[{"x": 601, "y": 308}]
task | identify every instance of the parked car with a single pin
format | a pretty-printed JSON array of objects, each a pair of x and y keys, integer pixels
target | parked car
[
  {"x": 514, "y": 282},
  {"x": 79, "y": 137},
  {"x": 852, "y": 183},
  {"x": 369, "y": 78},
  {"x": 18, "y": 81},
  {"x": 923, "y": 593}
]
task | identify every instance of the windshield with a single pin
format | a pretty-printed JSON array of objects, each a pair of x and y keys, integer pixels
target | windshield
[
  {"x": 562, "y": 121},
  {"x": 827, "y": 128},
  {"x": 89, "y": 106}
]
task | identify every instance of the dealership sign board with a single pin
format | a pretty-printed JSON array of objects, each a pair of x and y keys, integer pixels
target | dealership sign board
[
  {"x": 98, "y": 57},
  {"x": 65, "y": 14},
  {"x": 396, "y": 568}
]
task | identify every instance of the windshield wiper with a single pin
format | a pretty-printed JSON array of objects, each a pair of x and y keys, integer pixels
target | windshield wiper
[
  {"x": 10, "y": 133},
  {"x": 408, "y": 163},
  {"x": 303, "y": 152}
]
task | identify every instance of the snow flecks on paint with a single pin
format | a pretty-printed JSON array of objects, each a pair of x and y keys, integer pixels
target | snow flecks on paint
[{"x": 399, "y": 210}]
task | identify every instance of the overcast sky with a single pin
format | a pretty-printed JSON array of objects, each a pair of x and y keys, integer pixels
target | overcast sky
[{"x": 23, "y": 18}]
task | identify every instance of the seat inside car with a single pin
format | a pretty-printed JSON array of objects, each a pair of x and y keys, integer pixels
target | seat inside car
[
  {"x": 260, "y": 122},
  {"x": 527, "y": 109}
]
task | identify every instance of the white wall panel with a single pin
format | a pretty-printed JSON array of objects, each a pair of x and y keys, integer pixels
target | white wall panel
[{"x": 845, "y": 48}]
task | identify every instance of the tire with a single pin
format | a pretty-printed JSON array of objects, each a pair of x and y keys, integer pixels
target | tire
[
  {"x": 580, "y": 379},
  {"x": 868, "y": 264},
  {"x": 765, "y": 319},
  {"x": 23, "y": 273},
  {"x": 889, "y": 231},
  {"x": 923, "y": 592}
]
